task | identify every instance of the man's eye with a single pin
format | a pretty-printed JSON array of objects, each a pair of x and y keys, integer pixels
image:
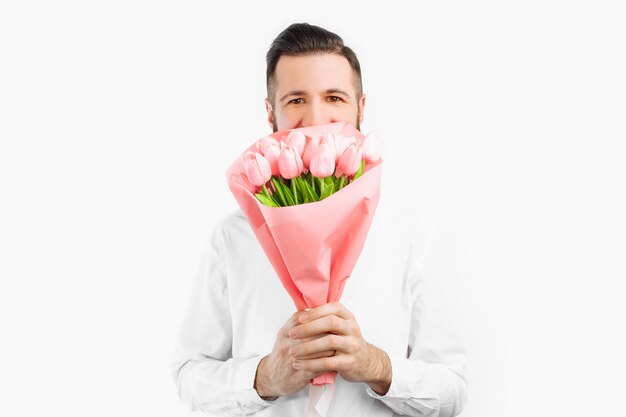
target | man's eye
[
  {"x": 295, "y": 99},
  {"x": 335, "y": 99}
]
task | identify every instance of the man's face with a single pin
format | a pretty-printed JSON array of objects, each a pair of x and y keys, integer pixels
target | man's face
[{"x": 313, "y": 90}]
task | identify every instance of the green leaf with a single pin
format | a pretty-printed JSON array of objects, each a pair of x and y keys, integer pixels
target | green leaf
[
  {"x": 311, "y": 192},
  {"x": 266, "y": 200},
  {"x": 359, "y": 171},
  {"x": 281, "y": 196},
  {"x": 343, "y": 180},
  {"x": 328, "y": 190},
  {"x": 294, "y": 192},
  {"x": 270, "y": 196},
  {"x": 288, "y": 195},
  {"x": 275, "y": 200},
  {"x": 302, "y": 189}
]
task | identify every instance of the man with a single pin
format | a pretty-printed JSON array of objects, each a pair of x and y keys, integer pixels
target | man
[{"x": 388, "y": 341}]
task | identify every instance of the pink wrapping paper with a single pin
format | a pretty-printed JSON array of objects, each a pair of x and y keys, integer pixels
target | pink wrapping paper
[{"x": 313, "y": 247}]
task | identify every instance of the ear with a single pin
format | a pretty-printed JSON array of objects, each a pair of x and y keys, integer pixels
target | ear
[
  {"x": 362, "y": 107},
  {"x": 270, "y": 113}
]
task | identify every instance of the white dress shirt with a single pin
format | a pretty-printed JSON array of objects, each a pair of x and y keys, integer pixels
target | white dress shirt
[{"x": 238, "y": 305}]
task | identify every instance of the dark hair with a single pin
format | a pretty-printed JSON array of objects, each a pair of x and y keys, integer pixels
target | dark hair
[{"x": 303, "y": 39}]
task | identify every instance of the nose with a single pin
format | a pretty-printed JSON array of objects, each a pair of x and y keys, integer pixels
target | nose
[{"x": 316, "y": 114}]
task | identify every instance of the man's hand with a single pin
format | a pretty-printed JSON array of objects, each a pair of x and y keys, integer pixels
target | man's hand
[
  {"x": 276, "y": 375},
  {"x": 332, "y": 327}
]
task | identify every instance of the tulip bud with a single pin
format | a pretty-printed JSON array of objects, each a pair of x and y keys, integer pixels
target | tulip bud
[
  {"x": 290, "y": 163},
  {"x": 350, "y": 160},
  {"x": 257, "y": 168},
  {"x": 323, "y": 161},
  {"x": 371, "y": 148},
  {"x": 243, "y": 180},
  {"x": 329, "y": 138},
  {"x": 308, "y": 151},
  {"x": 271, "y": 152},
  {"x": 342, "y": 143},
  {"x": 268, "y": 140},
  {"x": 297, "y": 140}
]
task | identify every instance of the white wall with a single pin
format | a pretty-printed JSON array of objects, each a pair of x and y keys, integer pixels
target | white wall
[{"x": 119, "y": 118}]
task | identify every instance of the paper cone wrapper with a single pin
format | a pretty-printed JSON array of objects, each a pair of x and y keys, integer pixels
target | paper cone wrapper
[{"x": 313, "y": 247}]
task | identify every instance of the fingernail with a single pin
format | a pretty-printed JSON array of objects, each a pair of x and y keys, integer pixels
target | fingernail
[
  {"x": 304, "y": 317},
  {"x": 296, "y": 365},
  {"x": 293, "y": 351},
  {"x": 293, "y": 333},
  {"x": 307, "y": 309}
]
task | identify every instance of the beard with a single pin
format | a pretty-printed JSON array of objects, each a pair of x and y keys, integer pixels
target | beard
[{"x": 356, "y": 122}]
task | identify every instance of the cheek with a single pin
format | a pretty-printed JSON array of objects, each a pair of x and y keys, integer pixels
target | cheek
[
  {"x": 345, "y": 113},
  {"x": 347, "y": 109},
  {"x": 288, "y": 120}
]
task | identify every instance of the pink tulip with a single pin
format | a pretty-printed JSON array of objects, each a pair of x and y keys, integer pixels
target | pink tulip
[
  {"x": 323, "y": 161},
  {"x": 371, "y": 148},
  {"x": 243, "y": 180},
  {"x": 289, "y": 162},
  {"x": 308, "y": 151},
  {"x": 297, "y": 140},
  {"x": 342, "y": 143},
  {"x": 257, "y": 168},
  {"x": 350, "y": 160},
  {"x": 271, "y": 152},
  {"x": 268, "y": 140},
  {"x": 329, "y": 138}
]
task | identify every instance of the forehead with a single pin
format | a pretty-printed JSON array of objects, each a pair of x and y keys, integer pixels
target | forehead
[{"x": 314, "y": 73}]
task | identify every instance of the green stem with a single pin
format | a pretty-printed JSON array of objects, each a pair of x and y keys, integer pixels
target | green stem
[{"x": 293, "y": 188}]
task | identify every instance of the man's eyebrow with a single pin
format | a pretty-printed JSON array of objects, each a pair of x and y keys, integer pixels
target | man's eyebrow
[
  {"x": 303, "y": 93},
  {"x": 293, "y": 93},
  {"x": 337, "y": 90}
]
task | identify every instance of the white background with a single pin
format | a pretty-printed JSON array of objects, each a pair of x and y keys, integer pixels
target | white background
[{"x": 119, "y": 118}]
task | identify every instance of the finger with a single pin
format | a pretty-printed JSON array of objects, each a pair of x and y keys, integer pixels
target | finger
[
  {"x": 293, "y": 321},
  {"x": 314, "y": 337},
  {"x": 324, "y": 310},
  {"x": 319, "y": 354},
  {"x": 327, "y": 343},
  {"x": 326, "y": 324},
  {"x": 295, "y": 342},
  {"x": 333, "y": 363}
]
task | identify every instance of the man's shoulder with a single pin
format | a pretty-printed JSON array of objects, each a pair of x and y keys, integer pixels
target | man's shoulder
[
  {"x": 231, "y": 226},
  {"x": 234, "y": 218}
]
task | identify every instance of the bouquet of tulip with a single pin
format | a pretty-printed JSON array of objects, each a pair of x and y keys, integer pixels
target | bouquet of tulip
[
  {"x": 299, "y": 171},
  {"x": 310, "y": 195}
]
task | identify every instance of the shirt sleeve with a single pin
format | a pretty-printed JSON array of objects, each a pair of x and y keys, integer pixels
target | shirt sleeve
[
  {"x": 209, "y": 379},
  {"x": 430, "y": 380}
]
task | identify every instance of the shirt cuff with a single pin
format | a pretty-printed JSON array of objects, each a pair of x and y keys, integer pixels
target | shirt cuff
[
  {"x": 408, "y": 379},
  {"x": 247, "y": 396}
]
